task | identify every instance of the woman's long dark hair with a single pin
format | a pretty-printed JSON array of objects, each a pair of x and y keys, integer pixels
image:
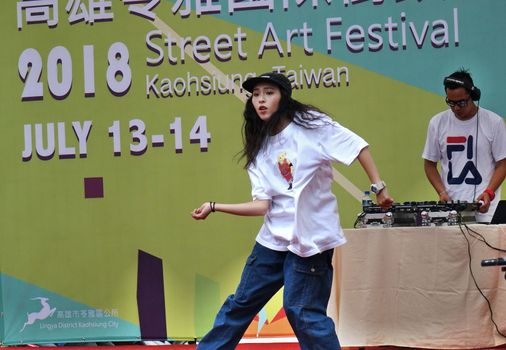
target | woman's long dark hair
[{"x": 256, "y": 131}]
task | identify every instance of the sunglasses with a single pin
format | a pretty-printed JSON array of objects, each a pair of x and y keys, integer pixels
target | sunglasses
[{"x": 460, "y": 103}]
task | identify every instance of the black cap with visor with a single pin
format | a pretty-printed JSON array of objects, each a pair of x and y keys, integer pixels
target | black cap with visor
[{"x": 279, "y": 79}]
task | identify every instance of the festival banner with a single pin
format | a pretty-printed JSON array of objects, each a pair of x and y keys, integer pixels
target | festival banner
[{"x": 120, "y": 117}]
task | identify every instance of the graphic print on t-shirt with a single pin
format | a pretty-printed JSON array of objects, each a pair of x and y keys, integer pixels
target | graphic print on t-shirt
[
  {"x": 286, "y": 169},
  {"x": 457, "y": 144}
]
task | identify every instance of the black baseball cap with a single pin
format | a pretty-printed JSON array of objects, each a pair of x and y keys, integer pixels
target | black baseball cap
[{"x": 270, "y": 77}]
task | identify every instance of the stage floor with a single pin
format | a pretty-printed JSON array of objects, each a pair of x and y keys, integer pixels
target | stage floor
[{"x": 255, "y": 346}]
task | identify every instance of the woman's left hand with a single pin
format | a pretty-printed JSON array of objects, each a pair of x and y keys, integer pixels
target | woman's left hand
[{"x": 384, "y": 200}]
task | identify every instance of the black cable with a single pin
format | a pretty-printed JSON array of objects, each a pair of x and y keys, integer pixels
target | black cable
[
  {"x": 481, "y": 238},
  {"x": 472, "y": 274},
  {"x": 476, "y": 146}
]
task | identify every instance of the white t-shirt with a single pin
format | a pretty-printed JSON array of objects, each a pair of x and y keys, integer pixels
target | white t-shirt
[
  {"x": 467, "y": 165},
  {"x": 293, "y": 170}
]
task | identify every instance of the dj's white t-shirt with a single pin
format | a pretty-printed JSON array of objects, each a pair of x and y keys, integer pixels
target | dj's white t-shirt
[
  {"x": 468, "y": 151},
  {"x": 293, "y": 170}
]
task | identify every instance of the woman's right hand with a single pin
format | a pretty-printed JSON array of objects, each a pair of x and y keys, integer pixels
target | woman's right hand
[{"x": 202, "y": 212}]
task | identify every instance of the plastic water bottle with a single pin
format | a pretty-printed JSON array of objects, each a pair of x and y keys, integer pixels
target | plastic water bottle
[{"x": 366, "y": 199}]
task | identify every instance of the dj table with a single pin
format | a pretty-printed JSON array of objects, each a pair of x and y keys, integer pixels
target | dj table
[{"x": 412, "y": 286}]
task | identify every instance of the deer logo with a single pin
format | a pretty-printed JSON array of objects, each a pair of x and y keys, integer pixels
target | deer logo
[{"x": 44, "y": 313}]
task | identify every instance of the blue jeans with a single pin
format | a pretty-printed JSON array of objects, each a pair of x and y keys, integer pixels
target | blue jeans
[{"x": 307, "y": 284}]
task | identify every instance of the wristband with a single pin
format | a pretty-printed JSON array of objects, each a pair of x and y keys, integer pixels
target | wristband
[
  {"x": 490, "y": 193},
  {"x": 212, "y": 205}
]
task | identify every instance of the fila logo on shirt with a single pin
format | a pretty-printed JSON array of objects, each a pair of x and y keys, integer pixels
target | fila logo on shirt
[{"x": 469, "y": 174}]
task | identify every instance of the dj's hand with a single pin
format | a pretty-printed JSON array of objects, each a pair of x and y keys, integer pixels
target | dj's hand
[
  {"x": 484, "y": 199},
  {"x": 384, "y": 200},
  {"x": 444, "y": 197}
]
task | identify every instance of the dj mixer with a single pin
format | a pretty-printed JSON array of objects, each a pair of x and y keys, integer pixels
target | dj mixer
[{"x": 417, "y": 214}]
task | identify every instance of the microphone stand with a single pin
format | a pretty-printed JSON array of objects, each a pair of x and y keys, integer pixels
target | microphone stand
[{"x": 496, "y": 262}]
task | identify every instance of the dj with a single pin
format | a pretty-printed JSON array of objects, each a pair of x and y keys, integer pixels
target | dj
[{"x": 470, "y": 143}]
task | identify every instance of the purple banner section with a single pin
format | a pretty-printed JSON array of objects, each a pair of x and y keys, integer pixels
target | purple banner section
[
  {"x": 150, "y": 297},
  {"x": 93, "y": 187}
]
